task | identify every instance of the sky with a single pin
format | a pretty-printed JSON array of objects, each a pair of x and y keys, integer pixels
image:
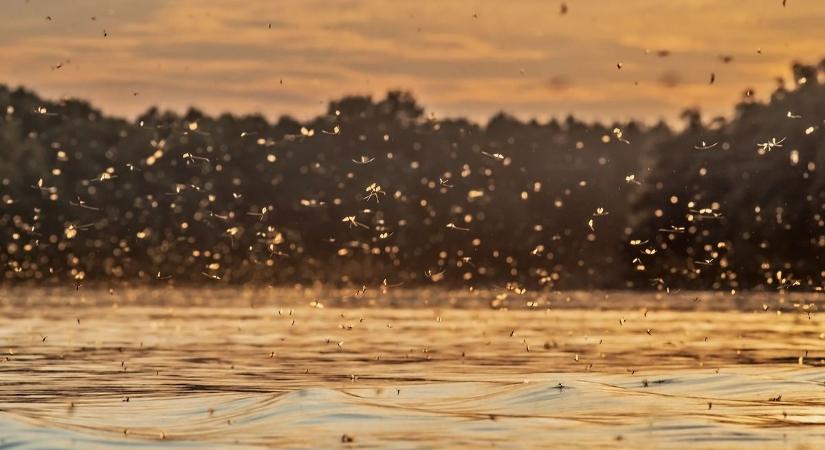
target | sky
[{"x": 459, "y": 58}]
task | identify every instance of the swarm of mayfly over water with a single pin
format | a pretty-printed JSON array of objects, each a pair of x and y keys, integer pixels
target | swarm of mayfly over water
[{"x": 380, "y": 193}]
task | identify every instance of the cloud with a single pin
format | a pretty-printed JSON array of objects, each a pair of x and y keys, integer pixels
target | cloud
[{"x": 521, "y": 56}]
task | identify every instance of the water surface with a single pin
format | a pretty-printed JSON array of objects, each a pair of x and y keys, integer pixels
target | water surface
[{"x": 311, "y": 369}]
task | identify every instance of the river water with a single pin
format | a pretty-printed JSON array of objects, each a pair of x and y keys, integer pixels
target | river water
[{"x": 168, "y": 368}]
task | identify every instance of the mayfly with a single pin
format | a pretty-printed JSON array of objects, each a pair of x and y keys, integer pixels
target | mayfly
[
  {"x": 353, "y": 223},
  {"x": 232, "y": 232},
  {"x": 434, "y": 277},
  {"x": 387, "y": 285},
  {"x": 705, "y": 146},
  {"x": 496, "y": 156},
  {"x": 620, "y": 135},
  {"x": 706, "y": 213},
  {"x": 192, "y": 159},
  {"x": 259, "y": 215},
  {"x": 43, "y": 111},
  {"x": 82, "y": 204},
  {"x": 105, "y": 176},
  {"x": 765, "y": 147},
  {"x": 362, "y": 160},
  {"x": 71, "y": 230},
  {"x": 40, "y": 187},
  {"x": 374, "y": 191}
]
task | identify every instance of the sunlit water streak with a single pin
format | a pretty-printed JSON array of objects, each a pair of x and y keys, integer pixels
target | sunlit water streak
[{"x": 207, "y": 369}]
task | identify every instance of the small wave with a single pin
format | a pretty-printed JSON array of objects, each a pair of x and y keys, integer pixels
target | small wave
[{"x": 583, "y": 410}]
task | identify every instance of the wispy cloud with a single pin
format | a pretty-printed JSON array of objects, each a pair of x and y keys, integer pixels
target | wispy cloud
[{"x": 463, "y": 57}]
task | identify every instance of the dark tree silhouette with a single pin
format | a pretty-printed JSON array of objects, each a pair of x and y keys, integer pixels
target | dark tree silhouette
[{"x": 377, "y": 190}]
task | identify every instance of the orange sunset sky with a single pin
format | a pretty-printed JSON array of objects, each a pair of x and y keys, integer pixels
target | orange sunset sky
[{"x": 469, "y": 58}]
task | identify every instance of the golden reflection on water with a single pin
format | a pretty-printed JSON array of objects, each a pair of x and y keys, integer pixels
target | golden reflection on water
[{"x": 295, "y": 369}]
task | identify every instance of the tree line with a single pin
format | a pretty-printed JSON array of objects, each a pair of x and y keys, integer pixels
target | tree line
[{"x": 378, "y": 192}]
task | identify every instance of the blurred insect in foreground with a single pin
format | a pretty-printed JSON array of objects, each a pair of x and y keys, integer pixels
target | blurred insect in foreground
[
  {"x": 363, "y": 160},
  {"x": 766, "y": 147},
  {"x": 453, "y": 226},
  {"x": 352, "y": 222},
  {"x": 705, "y": 146},
  {"x": 496, "y": 156},
  {"x": 374, "y": 191}
]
